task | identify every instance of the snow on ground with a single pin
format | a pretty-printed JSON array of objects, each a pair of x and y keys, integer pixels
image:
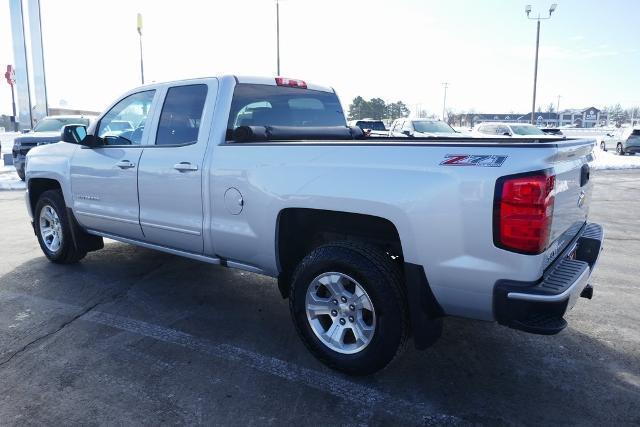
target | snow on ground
[
  {"x": 610, "y": 160},
  {"x": 9, "y": 179}
]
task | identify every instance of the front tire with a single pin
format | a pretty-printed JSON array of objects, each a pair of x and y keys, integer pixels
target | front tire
[
  {"x": 54, "y": 230},
  {"x": 619, "y": 149},
  {"x": 348, "y": 304},
  {"x": 20, "y": 173},
  {"x": 602, "y": 146}
]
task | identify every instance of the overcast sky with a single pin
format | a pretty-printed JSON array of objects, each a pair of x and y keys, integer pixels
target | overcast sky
[{"x": 396, "y": 50}]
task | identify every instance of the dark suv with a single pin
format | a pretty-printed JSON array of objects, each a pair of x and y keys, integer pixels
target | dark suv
[
  {"x": 46, "y": 131},
  {"x": 630, "y": 143}
]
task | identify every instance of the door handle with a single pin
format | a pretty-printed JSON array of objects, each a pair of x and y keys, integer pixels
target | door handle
[
  {"x": 185, "y": 167},
  {"x": 125, "y": 164}
]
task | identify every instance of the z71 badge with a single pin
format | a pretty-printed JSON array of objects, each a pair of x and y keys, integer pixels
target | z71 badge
[{"x": 488, "y": 160}]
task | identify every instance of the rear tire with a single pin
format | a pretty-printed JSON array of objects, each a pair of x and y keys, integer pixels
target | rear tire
[
  {"x": 603, "y": 146},
  {"x": 54, "y": 230},
  {"x": 363, "y": 322},
  {"x": 619, "y": 149},
  {"x": 20, "y": 173}
]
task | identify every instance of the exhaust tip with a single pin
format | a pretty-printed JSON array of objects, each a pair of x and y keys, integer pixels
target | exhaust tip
[{"x": 587, "y": 292}]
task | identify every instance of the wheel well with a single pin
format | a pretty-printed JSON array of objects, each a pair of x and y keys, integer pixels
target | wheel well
[
  {"x": 301, "y": 230},
  {"x": 37, "y": 186}
]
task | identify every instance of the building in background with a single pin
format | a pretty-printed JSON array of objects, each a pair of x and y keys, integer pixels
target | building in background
[{"x": 581, "y": 118}]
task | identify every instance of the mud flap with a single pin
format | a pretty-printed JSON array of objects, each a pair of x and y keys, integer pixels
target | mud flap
[
  {"x": 425, "y": 312},
  {"x": 82, "y": 240}
]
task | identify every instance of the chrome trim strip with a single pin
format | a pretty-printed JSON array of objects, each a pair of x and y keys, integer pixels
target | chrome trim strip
[
  {"x": 584, "y": 277},
  {"x": 172, "y": 251},
  {"x": 168, "y": 228},
  {"x": 244, "y": 267},
  {"x": 112, "y": 218},
  {"x": 178, "y": 252}
]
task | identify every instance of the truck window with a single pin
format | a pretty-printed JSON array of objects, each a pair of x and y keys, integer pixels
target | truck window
[
  {"x": 266, "y": 105},
  {"x": 181, "y": 115},
  {"x": 133, "y": 111}
]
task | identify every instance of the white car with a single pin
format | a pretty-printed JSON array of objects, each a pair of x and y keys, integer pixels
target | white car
[
  {"x": 416, "y": 128},
  {"x": 372, "y": 240},
  {"x": 511, "y": 130}
]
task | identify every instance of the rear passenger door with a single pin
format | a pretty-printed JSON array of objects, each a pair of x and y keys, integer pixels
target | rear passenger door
[{"x": 171, "y": 173}]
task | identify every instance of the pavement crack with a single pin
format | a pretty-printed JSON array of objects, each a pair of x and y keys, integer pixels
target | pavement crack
[
  {"x": 49, "y": 334},
  {"x": 113, "y": 298}
]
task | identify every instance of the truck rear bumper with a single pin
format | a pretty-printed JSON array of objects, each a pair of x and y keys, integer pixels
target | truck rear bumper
[{"x": 539, "y": 307}]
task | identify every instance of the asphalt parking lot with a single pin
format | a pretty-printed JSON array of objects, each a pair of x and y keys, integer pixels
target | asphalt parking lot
[{"x": 132, "y": 336}]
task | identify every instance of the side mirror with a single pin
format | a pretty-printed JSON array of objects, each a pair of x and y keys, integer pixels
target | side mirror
[
  {"x": 407, "y": 132},
  {"x": 25, "y": 131},
  {"x": 507, "y": 134},
  {"x": 75, "y": 134}
]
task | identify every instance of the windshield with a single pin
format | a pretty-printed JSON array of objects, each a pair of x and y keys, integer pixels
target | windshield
[
  {"x": 56, "y": 124},
  {"x": 266, "y": 105},
  {"x": 526, "y": 130},
  {"x": 432, "y": 127},
  {"x": 373, "y": 125}
]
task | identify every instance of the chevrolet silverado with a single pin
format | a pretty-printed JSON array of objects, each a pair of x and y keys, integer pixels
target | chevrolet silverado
[{"x": 374, "y": 241}]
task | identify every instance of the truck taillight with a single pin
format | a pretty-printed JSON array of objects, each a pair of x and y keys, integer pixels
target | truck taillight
[
  {"x": 283, "y": 81},
  {"x": 523, "y": 211}
]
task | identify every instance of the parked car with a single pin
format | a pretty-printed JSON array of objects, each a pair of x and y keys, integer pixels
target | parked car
[
  {"x": 608, "y": 141},
  {"x": 422, "y": 128},
  {"x": 629, "y": 143},
  {"x": 552, "y": 131},
  {"x": 371, "y": 242},
  {"x": 46, "y": 131},
  {"x": 371, "y": 126},
  {"x": 510, "y": 130}
]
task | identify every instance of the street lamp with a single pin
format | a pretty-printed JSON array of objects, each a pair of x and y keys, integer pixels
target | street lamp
[
  {"x": 527, "y": 10},
  {"x": 444, "y": 101},
  {"x": 139, "y": 26},
  {"x": 278, "y": 36}
]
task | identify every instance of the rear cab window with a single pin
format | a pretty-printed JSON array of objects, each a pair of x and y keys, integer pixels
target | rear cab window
[
  {"x": 181, "y": 115},
  {"x": 266, "y": 105}
]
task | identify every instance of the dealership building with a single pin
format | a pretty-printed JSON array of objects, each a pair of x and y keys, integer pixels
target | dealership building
[{"x": 581, "y": 117}]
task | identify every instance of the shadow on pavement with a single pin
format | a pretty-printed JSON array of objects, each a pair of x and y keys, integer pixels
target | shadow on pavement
[{"x": 479, "y": 372}]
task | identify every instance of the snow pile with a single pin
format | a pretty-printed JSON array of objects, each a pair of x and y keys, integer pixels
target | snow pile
[
  {"x": 9, "y": 179},
  {"x": 609, "y": 160}
]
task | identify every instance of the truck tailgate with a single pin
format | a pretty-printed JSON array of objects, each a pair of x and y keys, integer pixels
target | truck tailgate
[{"x": 572, "y": 193}]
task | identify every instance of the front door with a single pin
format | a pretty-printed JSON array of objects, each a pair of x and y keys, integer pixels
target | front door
[
  {"x": 171, "y": 170},
  {"x": 104, "y": 179}
]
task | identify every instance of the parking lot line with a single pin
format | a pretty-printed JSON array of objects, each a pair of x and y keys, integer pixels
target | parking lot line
[{"x": 368, "y": 399}]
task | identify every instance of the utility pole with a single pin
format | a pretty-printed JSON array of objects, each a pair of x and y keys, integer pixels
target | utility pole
[
  {"x": 527, "y": 10},
  {"x": 558, "y": 109},
  {"x": 139, "y": 26},
  {"x": 444, "y": 101},
  {"x": 278, "y": 37}
]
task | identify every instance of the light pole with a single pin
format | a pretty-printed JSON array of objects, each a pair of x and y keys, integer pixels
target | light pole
[
  {"x": 527, "y": 10},
  {"x": 444, "y": 101},
  {"x": 139, "y": 26},
  {"x": 278, "y": 37}
]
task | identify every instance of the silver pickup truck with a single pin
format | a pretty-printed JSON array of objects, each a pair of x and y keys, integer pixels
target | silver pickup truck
[{"x": 373, "y": 241}]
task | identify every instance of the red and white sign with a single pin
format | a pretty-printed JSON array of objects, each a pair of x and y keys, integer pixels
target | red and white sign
[{"x": 10, "y": 75}]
